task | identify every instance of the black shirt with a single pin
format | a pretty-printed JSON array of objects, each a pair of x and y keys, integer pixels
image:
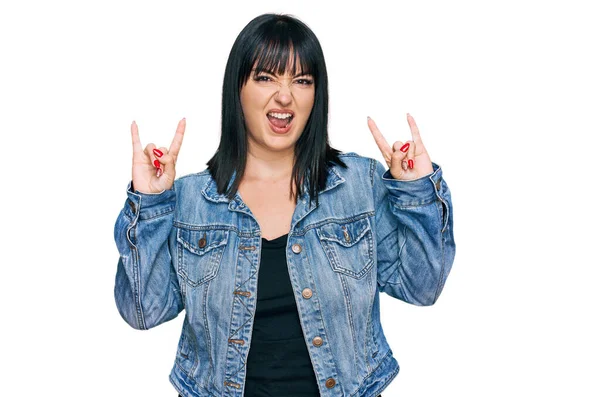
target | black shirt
[{"x": 278, "y": 360}]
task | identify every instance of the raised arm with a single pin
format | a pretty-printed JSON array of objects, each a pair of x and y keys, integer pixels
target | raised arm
[
  {"x": 146, "y": 287},
  {"x": 414, "y": 223}
]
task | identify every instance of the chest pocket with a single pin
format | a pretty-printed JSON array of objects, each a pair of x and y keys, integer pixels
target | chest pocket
[
  {"x": 200, "y": 253},
  {"x": 349, "y": 246}
]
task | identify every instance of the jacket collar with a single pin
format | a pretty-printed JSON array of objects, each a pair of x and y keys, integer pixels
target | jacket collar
[{"x": 210, "y": 188}]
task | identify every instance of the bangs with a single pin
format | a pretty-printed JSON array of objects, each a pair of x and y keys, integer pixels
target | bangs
[
  {"x": 277, "y": 58},
  {"x": 278, "y": 54}
]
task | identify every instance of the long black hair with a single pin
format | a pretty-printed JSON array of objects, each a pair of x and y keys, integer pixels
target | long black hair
[{"x": 269, "y": 40}]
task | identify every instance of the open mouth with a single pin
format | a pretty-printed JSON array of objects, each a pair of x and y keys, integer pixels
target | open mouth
[{"x": 280, "y": 120}]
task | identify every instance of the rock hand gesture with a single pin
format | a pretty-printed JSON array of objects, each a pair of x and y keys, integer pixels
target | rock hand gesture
[
  {"x": 406, "y": 161},
  {"x": 153, "y": 169}
]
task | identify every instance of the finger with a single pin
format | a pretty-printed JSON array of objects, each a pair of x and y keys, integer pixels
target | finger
[
  {"x": 178, "y": 138},
  {"x": 168, "y": 163},
  {"x": 162, "y": 155},
  {"x": 410, "y": 155},
  {"x": 397, "y": 145},
  {"x": 414, "y": 130},
  {"x": 384, "y": 147},
  {"x": 398, "y": 158},
  {"x": 135, "y": 138},
  {"x": 149, "y": 150}
]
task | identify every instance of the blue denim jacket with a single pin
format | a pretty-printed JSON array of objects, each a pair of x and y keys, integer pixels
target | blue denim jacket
[{"x": 191, "y": 248}]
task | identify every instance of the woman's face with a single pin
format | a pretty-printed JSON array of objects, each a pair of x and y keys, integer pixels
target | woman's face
[{"x": 276, "y": 108}]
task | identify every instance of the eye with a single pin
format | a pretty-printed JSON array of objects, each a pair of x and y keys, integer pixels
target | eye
[
  {"x": 304, "y": 81},
  {"x": 262, "y": 78}
]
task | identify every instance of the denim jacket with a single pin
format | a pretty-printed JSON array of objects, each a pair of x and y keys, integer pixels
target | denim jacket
[{"x": 192, "y": 248}]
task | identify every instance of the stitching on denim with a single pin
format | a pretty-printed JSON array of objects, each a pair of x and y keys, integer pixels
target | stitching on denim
[
  {"x": 403, "y": 294},
  {"x": 157, "y": 214},
  {"x": 348, "y": 302},
  {"x": 207, "y": 330},
  {"x": 247, "y": 320},
  {"x": 383, "y": 359},
  {"x": 354, "y": 218},
  {"x": 417, "y": 204},
  {"x": 336, "y": 265},
  {"x": 369, "y": 280},
  {"x": 321, "y": 326},
  {"x": 442, "y": 270}
]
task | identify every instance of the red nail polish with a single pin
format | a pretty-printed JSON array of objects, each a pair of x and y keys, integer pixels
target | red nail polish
[
  {"x": 157, "y": 163},
  {"x": 404, "y": 147},
  {"x": 411, "y": 163},
  {"x": 157, "y": 153}
]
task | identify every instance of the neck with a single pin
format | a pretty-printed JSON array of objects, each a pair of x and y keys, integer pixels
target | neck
[{"x": 265, "y": 165}]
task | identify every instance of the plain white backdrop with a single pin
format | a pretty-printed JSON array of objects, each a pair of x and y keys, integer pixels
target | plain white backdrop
[{"x": 506, "y": 95}]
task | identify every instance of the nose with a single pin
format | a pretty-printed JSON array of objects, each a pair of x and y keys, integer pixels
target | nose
[{"x": 284, "y": 95}]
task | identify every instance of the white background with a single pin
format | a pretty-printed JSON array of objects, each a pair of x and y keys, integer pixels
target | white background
[{"x": 506, "y": 95}]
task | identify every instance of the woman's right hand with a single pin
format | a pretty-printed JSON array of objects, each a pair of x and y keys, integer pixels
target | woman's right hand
[{"x": 153, "y": 168}]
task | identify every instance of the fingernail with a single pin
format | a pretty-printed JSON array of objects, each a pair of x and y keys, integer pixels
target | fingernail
[
  {"x": 410, "y": 163},
  {"x": 404, "y": 165},
  {"x": 407, "y": 114},
  {"x": 158, "y": 172},
  {"x": 183, "y": 119},
  {"x": 157, "y": 163},
  {"x": 368, "y": 118},
  {"x": 157, "y": 152},
  {"x": 404, "y": 147}
]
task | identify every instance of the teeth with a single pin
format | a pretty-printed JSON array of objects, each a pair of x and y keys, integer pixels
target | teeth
[{"x": 280, "y": 115}]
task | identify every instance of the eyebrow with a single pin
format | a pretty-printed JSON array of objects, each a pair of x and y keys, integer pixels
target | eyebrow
[{"x": 266, "y": 71}]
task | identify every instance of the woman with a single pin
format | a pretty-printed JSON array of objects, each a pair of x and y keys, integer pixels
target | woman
[{"x": 279, "y": 249}]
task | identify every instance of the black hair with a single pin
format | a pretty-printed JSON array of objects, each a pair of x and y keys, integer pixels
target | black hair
[{"x": 268, "y": 41}]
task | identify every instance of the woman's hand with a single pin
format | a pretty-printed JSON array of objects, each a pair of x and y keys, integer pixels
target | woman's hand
[
  {"x": 153, "y": 169},
  {"x": 408, "y": 160}
]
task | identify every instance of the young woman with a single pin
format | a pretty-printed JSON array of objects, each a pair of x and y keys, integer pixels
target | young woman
[{"x": 279, "y": 249}]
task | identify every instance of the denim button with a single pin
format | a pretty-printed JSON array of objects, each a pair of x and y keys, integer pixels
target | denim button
[
  {"x": 317, "y": 341},
  {"x": 330, "y": 383},
  {"x": 132, "y": 206},
  {"x": 306, "y": 293},
  {"x": 438, "y": 184},
  {"x": 297, "y": 248}
]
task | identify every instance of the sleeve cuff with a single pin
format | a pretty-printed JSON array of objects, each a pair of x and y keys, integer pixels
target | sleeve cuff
[
  {"x": 415, "y": 192},
  {"x": 149, "y": 205}
]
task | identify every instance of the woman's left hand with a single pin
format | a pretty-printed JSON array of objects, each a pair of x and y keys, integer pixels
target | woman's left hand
[{"x": 406, "y": 160}]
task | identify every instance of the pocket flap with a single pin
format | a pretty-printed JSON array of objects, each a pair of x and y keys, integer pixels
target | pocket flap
[
  {"x": 202, "y": 241},
  {"x": 346, "y": 234}
]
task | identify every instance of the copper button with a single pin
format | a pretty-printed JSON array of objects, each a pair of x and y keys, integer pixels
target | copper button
[
  {"x": 330, "y": 383},
  {"x": 306, "y": 293},
  {"x": 317, "y": 341},
  {"x": 438, "y": 184},
  {"x": 202, "y": 241},
  {"x": 132, "y": 206},
  {"x": 297, "y": 248}
]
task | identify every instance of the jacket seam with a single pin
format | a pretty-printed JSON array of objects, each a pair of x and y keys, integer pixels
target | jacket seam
[
  {"x": 158, "y": 214},
  {"x": 136, "y": 276},
  {"x": 350, "y": 318}
]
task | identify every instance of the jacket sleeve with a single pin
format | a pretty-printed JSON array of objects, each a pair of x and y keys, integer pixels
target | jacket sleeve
[
  {"x": 414, "y": 231},
  {"x": 146, "y": 291}
]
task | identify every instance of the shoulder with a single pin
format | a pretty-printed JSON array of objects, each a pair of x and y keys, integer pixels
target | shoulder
[
  {"x": 193, "y": 180},
  {"x": 358, "y": 167}
]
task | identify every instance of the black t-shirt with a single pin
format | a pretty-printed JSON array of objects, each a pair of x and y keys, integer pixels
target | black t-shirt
[{"x": 278, "y": 361}]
